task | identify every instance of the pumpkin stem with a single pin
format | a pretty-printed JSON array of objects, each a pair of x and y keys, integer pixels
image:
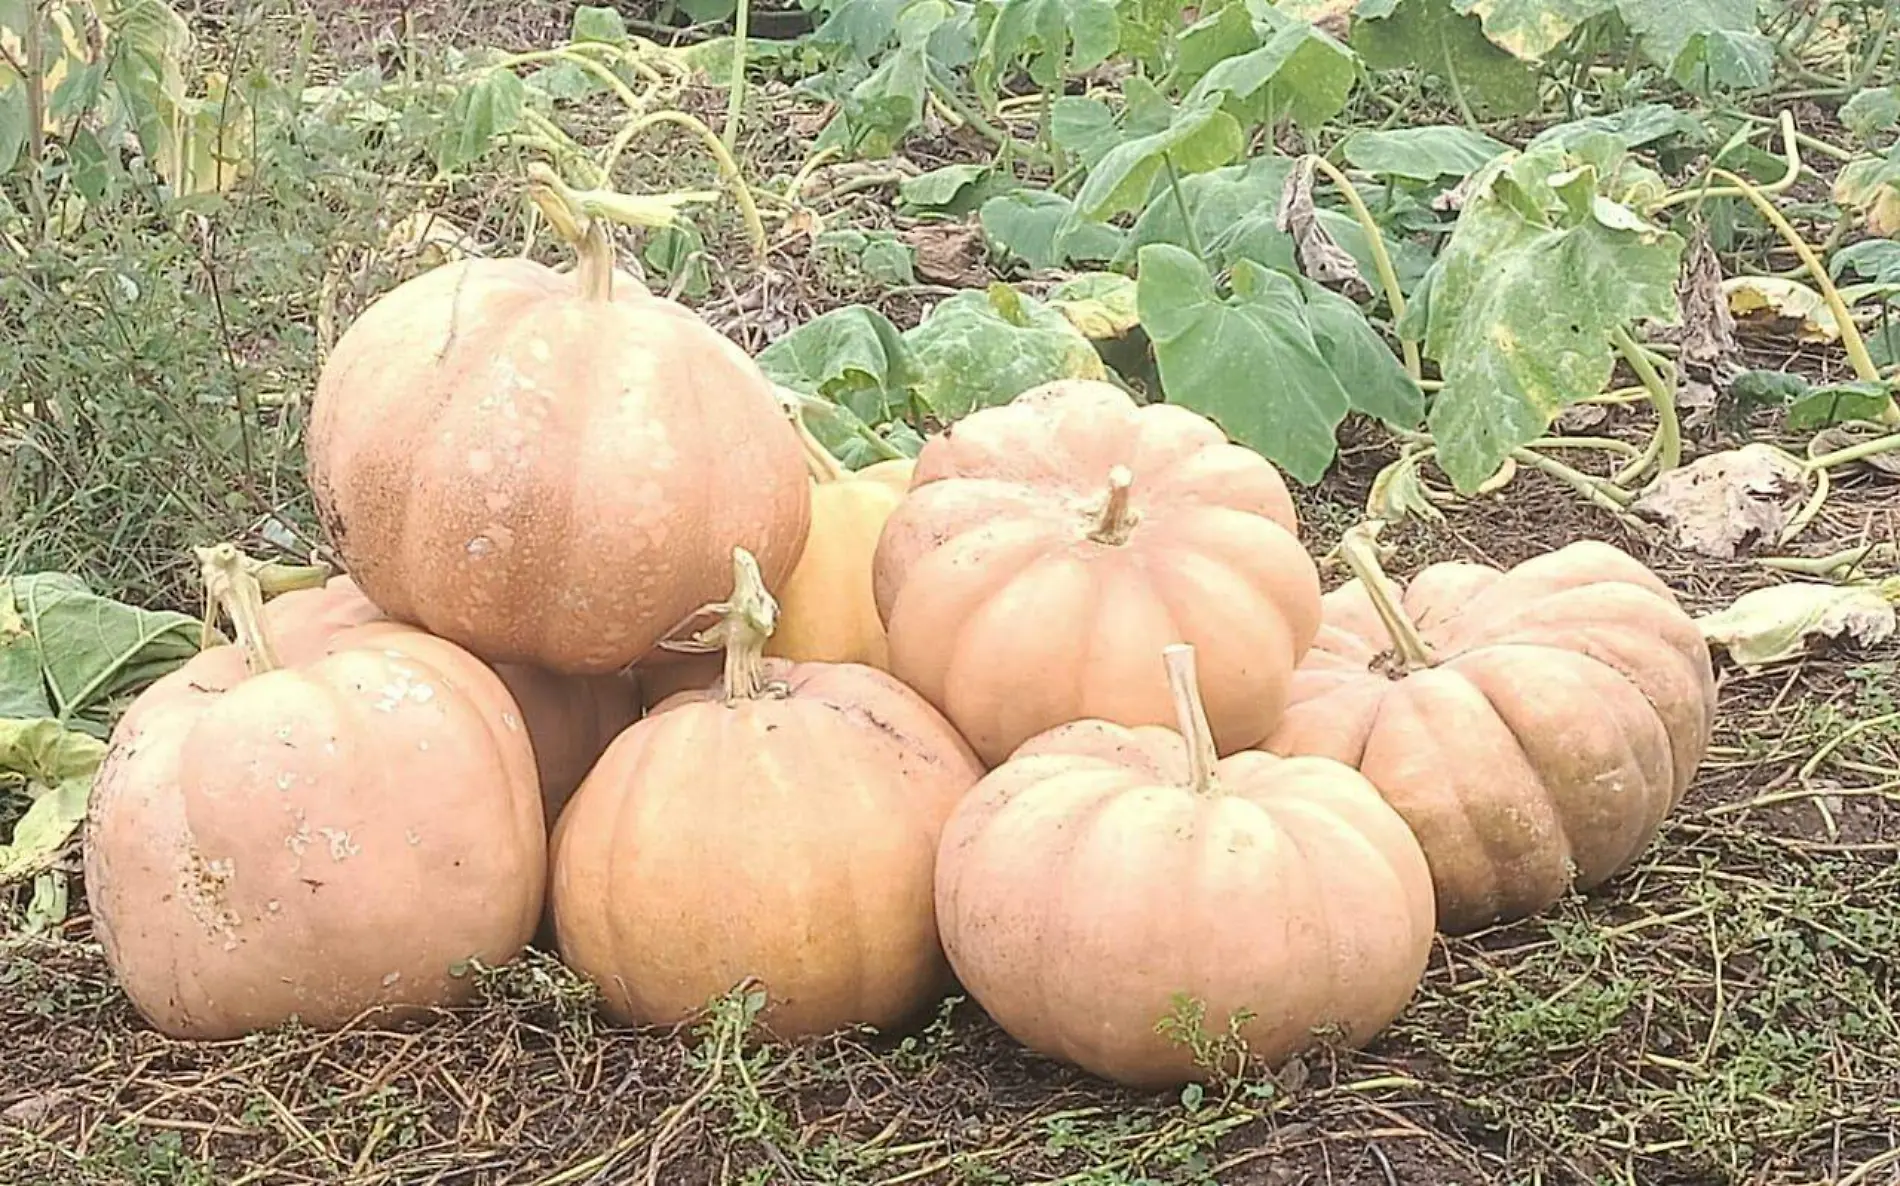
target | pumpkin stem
[
  {"x": 746, "y": 621},
  {"x": 1359, "y": 549},
  {"x": 1116, "y": 521},
  {"x": 822, "y": 466},
  {"x": 1185, "y": 686},
  {"x": 231, "y": 583},
  {"x": 593, "y": 250}
]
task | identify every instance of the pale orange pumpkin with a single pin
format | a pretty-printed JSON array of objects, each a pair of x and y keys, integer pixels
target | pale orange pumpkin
[
  {"x": 1049, "y": 548},
  {"x": 314, "y": 840},
  {"x": 1104, "y": 877},
  {"x": 826, "y": 611},
  {"x": 549, "y": 468},
  {"x": 1534, "y": 726},
  {"x": 781, "y": 826},
  {"x": 570, "y": 718}
]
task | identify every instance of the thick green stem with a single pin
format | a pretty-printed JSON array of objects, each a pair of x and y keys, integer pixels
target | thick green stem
[
  {"x": 728, "y": 167},
  {"x": 1191, "y": 717},
  {"x": 735, "y": 94},
  {"x": 1838, "y": 566},
  {"x": 1668, "y": 424},
  {"x": 1116, "y": 521},
  {"x": 1609, "y": 496},
  {"x": 1360, "y": 550},
  {"x": 746, "y": 621},
  {"x": 231, "y": 585},
  {"x": 1858, "y": 451},
  {"x": 1381, "y": 259}
]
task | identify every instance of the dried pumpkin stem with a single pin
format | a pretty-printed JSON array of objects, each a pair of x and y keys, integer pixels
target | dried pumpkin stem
[
  {"x": 818, "y": 459},
  {"x": 1191, "y": 716},
  {"x": 746, "y": 621},
  {"x": 593, "y": 250},
  {"x": 231, "y": 585},
  {"x": 1116, "y": 521},
  {"x": 1360, "y": 550}
]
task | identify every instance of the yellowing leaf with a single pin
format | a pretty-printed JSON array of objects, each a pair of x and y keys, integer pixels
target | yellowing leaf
[
  {"x": 1782, "y": 297},
  {"x": 1100, "y": 304},
  {"x": 56, "y": 765},
  {"x": 1872, "y": 186}
]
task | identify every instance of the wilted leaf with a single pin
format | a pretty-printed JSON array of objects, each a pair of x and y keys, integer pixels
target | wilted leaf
[
  {"x": 1779, "y": 622},
  {"x": 1320, "y": 257},
  {"x": 1781, "y": 296},
  {"x": 1249, "y": 361},
  {"x": 1421, "y": 154},
  {"x": 1871, "y": 185},
  {"x": 1521, "y": 304},
  {"x": 953, "y": 188},
  {"x": 56, "y": 766},
  {"x": 952, "y": 253},
  {"x": 1100, "y": 304},
  {"x": 1707, "y": 335},
  {"x": 93, "y": 648},
  {"x": 1725, "y": 502},
  {"x": 1399, "y": 491},
  {"x": 980, "y": 349}
]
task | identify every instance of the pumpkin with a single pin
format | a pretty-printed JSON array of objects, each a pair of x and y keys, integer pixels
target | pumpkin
[
  {"x": 570, "y": 719},
  {"x": 549, "y": 468},
  {"x": 1103, "y": 876},
  {"x": 1049, "y": 548},
  {"x": 1533, "y": 726},
  {"x": 826, "y": 611},
  {"x": 780, "y": 826},
  {"x": 314, "y": 840}
]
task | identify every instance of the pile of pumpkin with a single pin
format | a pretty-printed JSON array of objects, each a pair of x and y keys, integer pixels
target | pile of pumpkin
[{"x": 1057, "y": 711}]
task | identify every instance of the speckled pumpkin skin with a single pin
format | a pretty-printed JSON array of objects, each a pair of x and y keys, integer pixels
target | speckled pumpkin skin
[
  {"x": 337, "y": 835},
  {"x": 545, "y": 478}
]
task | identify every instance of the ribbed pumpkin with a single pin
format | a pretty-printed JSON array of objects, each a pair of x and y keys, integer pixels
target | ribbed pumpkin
[
  {"x": 826, "y": 611},
  {"x": 569, "y": 718},
  {"x": 313, "y": 840},
  {"x": 549, "y": 468},
  {"x": 781, "y": 826},
  {"x": 1533, "y": 726},
  {"x": 1049, "y": 548},
  {"x": 1104, "y": 876}
]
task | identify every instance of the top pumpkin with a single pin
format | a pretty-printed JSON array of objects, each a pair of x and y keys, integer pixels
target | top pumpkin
[
  {"x": 1049, "y": 548},
  {"x": 549, "y": 468}
]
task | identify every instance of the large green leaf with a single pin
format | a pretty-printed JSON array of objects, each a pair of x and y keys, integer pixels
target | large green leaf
[
  {"x": 852, "y": 356},
  {"x": 1529, "y": 29},
  {"x": 489, "y": 106},
  {"x": 1366, "y": 367},
  {"x": 1248, "y": 361},
  {"x": 980, "y": 349},
  {"x": 1053, "y": 38},
  {"x": 1041, "y": 229},
  {"x": 1297, "y": 73},
  {"x": 1520, "y": 305},
  {"x": 53, "y": 766},
  {"x": 1871, "y": 112},
  {"x": 1694, "y": 39},
  {"x": 90, "y": 648},
  {"x": 1421, "y": 154},
  {"x": 1200, "y": 137},
  {"x": 1430, "y": 36},
  {"x": 1216, "y": 202}
]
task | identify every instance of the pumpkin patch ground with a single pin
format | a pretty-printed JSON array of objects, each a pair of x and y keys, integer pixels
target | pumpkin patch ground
[{"x": 937, "y": 209}]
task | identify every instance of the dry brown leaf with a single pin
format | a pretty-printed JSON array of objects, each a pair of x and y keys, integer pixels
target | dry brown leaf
[
  {"x": 952, "y": 253},
  {"x": 1778, "y": 296},
  {"x": 1321, "y": 256},
  {"x": 1727, "y": 502},
  {"x": 1779, "y": 622},
  {"x": 1707, "y": 333}
]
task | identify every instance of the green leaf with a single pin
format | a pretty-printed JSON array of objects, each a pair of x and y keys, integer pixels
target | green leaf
[
  {"x": 1371, "y": 374},
  {"x": 487, "y": 107},
  {"x": 1837, "y": 403},
  {"x": 1054, "y": 38},
  {"x": 13, "y": 125},
  {"x": 1421, "y": 154},
  {"x": 599, "y": 23},
  {"x": 93, "y": 648},
  {"x": 879, "y": 256},
  {"x": 1298, "y": 73},
  {"x": 1216, "y": 201},
  {"x": 56, "y": 765},
  {"x": 1248, "y": 361},
  {"x": 1686, "y": 37},
  {"x": 22, "y": 670},
  {"x": 679, "y": 251},
  {"x": 1876, "y": 259},
  {"x": 1225, "y": 32},
  {"x": 1428, "y": 35},
  {"x": 1085, "y": 128},
  {"x": 1521, "y": 306},
  {"x": 1041, "y": 229},
  {"x": 852, "y": 356},
  {"x": 1200, "y": 137},
  {"x": 951, "y": 188},
  {"x": 1530, "y": 29},
  {"x": 1871, "y": 111},
  {"x": 980, "y": 349}
]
